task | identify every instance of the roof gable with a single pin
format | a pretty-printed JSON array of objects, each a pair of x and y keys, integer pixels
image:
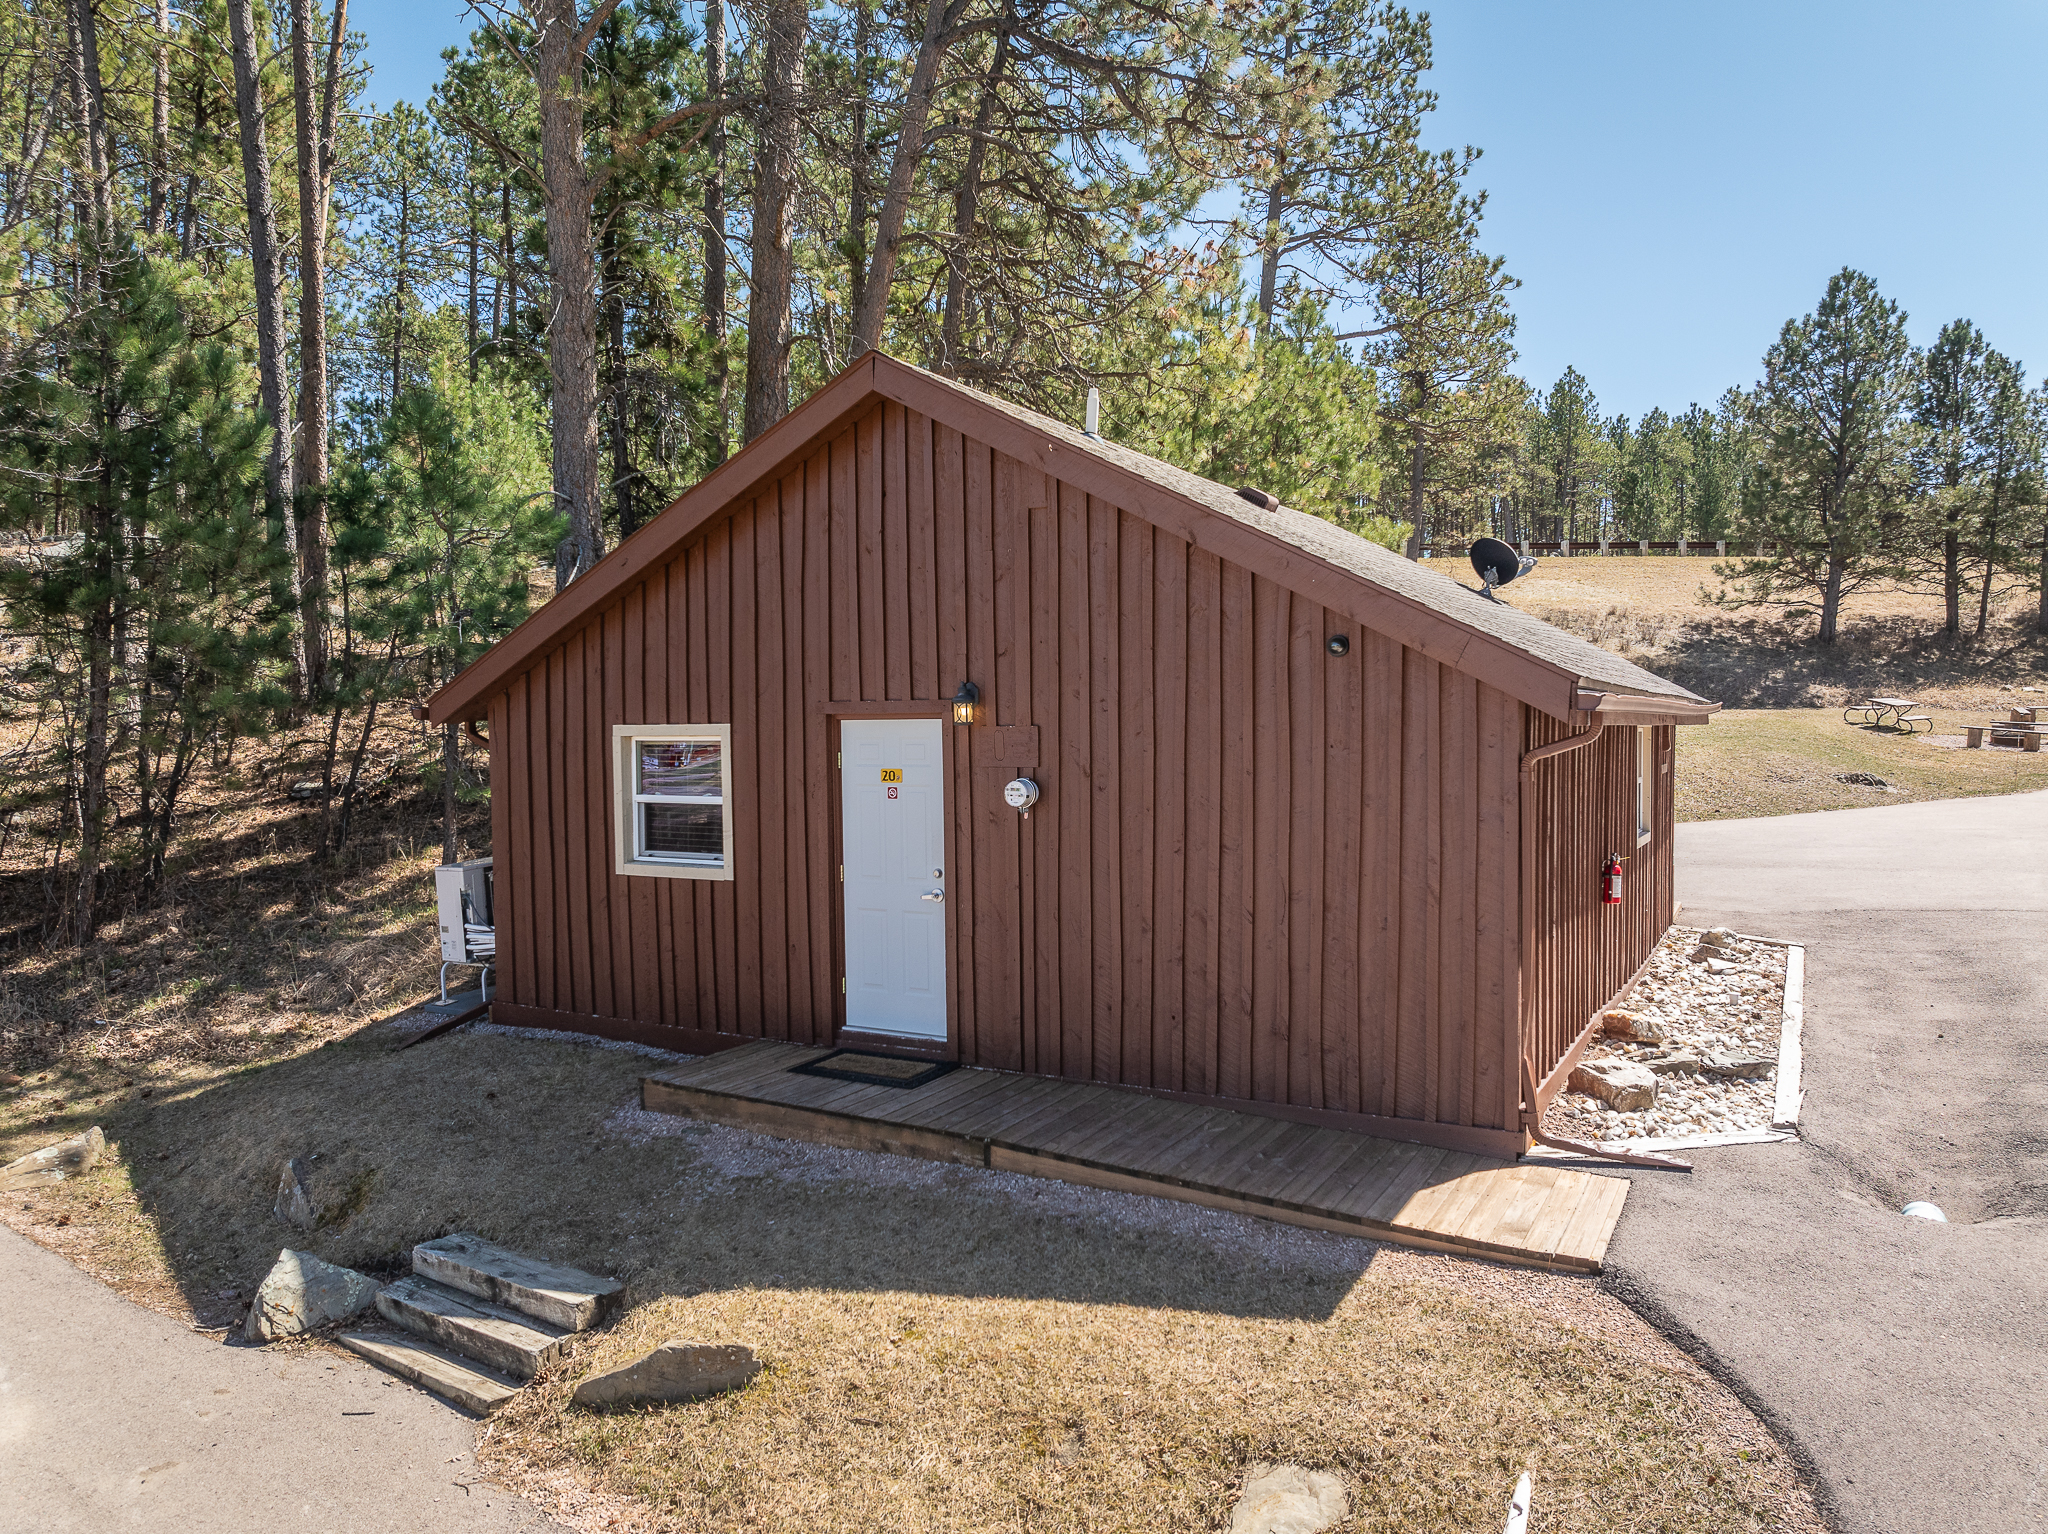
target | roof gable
[{"x": 1523, "y": 656}]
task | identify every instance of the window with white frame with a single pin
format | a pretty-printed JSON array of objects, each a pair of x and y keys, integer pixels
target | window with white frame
[
  {"x": 674, "y": 796},
  {"x": 1645, "y": 739}
]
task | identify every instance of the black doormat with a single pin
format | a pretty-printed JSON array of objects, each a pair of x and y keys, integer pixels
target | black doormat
[{"x": 875, "y": 1070}]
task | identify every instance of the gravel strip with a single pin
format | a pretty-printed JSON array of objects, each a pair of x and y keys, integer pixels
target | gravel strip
[{"x": 1711, "y": 1003}]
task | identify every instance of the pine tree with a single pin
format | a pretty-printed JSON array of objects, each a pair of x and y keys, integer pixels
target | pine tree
[
  {"x": 1836, "y": 438},
  {"x": 1445, "y": 337},
  {"x": 167, "y": 621},
  {"x": 1950, "y": 409},
  {"x": 2009, "y": 443}
]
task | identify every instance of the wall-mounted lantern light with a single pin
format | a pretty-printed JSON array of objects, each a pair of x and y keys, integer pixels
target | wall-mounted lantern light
[{"x": 964, "y": 701}]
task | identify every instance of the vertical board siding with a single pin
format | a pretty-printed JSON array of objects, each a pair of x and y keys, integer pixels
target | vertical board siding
[
  {"x": 1258, "y": 869},
  {"x": 1585, "y": 950}
]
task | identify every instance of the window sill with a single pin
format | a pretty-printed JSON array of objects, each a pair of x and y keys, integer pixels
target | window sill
[{"x": 658, "y": 870}]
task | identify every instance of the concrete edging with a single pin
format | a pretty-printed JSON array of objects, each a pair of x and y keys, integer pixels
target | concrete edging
[{"x": 1785, "y": 1115}]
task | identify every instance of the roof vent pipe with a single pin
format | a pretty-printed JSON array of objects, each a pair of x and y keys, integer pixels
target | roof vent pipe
[
  {"x": 1094, "y": 411},
  {"x": 1259, "y": 498}
]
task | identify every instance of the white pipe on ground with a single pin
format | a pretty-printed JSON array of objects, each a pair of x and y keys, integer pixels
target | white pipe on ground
[{"x": 1518, "y": 1508}]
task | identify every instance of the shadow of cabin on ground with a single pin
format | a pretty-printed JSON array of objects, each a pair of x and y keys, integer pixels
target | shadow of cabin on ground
[{"x": 524, "y": 1141}]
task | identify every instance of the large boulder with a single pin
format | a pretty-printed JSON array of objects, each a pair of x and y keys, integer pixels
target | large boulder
[
  {"x": 675, "y": 1371},
  {"x": 1621, "y": 1084},
  {"x": 1288, "y": 1499},
  {"x": 54, "y": 1163},
  {"x": 303, "y": 1292}
]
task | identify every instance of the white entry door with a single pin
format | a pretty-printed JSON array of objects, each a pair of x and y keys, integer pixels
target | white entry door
[{"x": 892, "y": 797}]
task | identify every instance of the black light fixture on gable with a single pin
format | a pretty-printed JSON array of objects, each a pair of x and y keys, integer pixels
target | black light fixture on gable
[{"x": 964, "y": 701}]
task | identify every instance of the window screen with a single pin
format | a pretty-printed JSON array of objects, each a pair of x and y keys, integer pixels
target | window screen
[{"x": 679, "y": 802}]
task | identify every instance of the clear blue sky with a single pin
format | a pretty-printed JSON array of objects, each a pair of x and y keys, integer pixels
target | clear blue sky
[{"x": 1671, "y": 183}]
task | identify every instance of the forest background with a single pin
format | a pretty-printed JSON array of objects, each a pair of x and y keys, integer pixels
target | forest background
[{"x": 304, "y": 404}]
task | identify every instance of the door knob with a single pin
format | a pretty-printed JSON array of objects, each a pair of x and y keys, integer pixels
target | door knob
[{"x": 933, "y": 895}]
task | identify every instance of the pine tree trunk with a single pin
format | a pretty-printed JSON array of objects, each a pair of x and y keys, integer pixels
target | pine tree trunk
[
  {"x": 451, "y": 763},
  {"x": 1831, "y": 595},
  {"x": 1990, "y": 562},
  {"x": 714, "y": 219},
  {"x": 101, "y": 527},
  {"x": 475, "y": 276},
  {"x": 769, "y": 330},
  {"x": 966, "y": 209},
  {"x": 1269, "y": 259},
  {"x": 315, "y": 151},
  {"x": 572, "y": 279},
  {"x": 188, "y": 213},
  {"x": 613, "y": 310},
  {"x": 873, "y": 313},
  {"x": 1416, "y": 458},
  {"x": 97, "y": 752},
  {"x": 1952, "y": 573},
  {"x": 402, "y": 264},
  {"x": 92, "y": 98},
  {"x": 160, "y": 122},
  {"x": 2041, "y": 616},
  {"x": 857, "y": 188},
  {"x": 506, "y": 300},
  {"x": 277, "y": 463}
]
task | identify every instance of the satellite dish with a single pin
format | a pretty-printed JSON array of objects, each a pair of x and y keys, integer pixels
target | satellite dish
[{"x": 1497, "y": 562}]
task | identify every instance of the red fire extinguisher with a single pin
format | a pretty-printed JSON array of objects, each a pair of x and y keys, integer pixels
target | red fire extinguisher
[{"x": 1610, "y": 881}]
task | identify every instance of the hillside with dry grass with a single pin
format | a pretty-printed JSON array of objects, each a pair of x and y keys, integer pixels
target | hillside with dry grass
[
  {"x": 1782, "y": 746},
  {"x": 1660, "y": 611},
  {"x": 254, "y": 945}
]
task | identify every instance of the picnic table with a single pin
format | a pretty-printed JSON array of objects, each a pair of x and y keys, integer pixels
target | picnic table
[
  {"x": 1894, "y": 713},
  {"x": 2024, "y": 733}
]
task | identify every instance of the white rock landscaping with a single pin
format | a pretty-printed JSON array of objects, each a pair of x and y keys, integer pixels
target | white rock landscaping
[{"x": 1703, "y": 1022}]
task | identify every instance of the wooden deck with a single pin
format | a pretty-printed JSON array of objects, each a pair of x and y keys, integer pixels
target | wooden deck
[{"x": 1104, "y": 1137}]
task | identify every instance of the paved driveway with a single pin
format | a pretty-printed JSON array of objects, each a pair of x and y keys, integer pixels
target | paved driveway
[
  {"x": 114, "y": 1418},
  {"x": 1907, "y": 1362}
]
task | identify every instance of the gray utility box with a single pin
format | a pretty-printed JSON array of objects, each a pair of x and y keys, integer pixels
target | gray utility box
[{"x": 462, "y": 900}]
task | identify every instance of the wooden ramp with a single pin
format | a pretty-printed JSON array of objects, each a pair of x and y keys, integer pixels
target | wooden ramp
[{"x": 1103, "y": 1137}]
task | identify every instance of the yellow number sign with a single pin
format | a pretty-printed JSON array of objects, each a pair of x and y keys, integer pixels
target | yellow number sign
[{"x": 892, "y": 774}]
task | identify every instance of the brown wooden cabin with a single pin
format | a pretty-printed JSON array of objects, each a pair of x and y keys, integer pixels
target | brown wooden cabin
[{"x": 1319, "y": 832}]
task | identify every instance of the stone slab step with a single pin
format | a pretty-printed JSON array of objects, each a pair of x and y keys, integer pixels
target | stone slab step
[
  {"x": 549, "y": 1292},
  {"x": 494, "y": 1336},
  {"x": 451, "y": 1378}
]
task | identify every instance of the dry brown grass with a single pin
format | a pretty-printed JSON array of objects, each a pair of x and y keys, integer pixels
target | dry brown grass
[
  {"x": 1791, "y": 761},
  {"x": 253, "y": 947},
  {"x": 1658, "y": 611},
  {"x": 945, "y": 1348}
]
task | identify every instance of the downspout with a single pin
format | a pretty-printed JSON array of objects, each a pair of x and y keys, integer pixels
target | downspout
[{"x": 1531, "y": 1114}]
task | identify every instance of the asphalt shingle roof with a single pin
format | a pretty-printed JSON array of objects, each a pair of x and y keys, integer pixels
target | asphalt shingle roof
[{"x": 1600, "y": 670}]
